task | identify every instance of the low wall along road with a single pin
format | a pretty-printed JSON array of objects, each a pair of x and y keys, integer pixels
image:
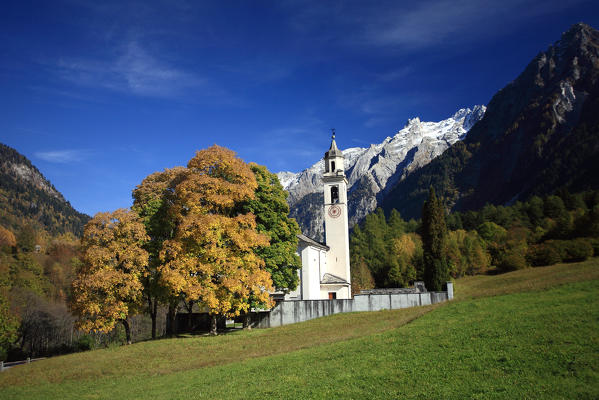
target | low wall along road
[{"x": 290, "y": 312}]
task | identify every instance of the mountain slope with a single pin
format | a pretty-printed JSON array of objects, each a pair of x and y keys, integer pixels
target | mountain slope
[
  {"x": 540, "y": 133},
  {"x": 26, "y": 197},
  {"x": 371, "y": 171}
]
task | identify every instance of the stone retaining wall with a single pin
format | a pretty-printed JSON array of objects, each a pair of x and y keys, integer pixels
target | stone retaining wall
[{"x": 290, "y": 312}]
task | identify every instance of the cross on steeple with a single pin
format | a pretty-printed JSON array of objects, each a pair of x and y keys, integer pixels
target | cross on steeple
[{"x": 333, "y": 135}]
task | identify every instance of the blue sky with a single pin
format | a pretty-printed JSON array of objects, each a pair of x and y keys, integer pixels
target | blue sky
[{"x": 100, "y": 94}]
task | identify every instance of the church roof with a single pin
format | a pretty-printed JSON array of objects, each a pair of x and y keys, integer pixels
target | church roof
[
  {"x": 330, "y": 279},
  {"x": 333, "y": 150},
  {"x": 312, "y": 242}
]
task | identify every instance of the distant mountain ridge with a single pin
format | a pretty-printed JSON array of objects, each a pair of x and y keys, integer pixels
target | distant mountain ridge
[
  {"x": 27, "y": 197},
  {"x": 372, "y": 171},
  {"x": 540, "y": 133}
]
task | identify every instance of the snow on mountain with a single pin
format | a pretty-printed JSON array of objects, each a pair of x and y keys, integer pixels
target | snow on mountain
[{"x": 372, "y": 171}]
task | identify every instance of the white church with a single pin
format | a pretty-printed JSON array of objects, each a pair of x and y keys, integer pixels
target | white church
[{"x": 325, "y": 272}]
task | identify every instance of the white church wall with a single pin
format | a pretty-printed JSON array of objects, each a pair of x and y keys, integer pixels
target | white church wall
[
  {"x": 312, "y": 260},
  {"x": 322, "y": 265},
  {"x": 297, "y": 293},
  {"x": 341, "y": 291}
]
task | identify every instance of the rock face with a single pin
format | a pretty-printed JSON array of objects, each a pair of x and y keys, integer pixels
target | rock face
[
  {"x": 372, "y": 171},
  {"x": 26, "y": 197},
  {"x": 27, "y": 173},
  {"x": 540, "y": 133}
]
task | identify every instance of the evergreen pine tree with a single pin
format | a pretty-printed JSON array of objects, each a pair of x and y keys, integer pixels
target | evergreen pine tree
[
  {"x": 434, "y": 243},
  {"x": 396, "y": 225}
]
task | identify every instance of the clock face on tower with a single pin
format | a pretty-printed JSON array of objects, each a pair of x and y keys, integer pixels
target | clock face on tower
[{"x": 334, "y": 211}]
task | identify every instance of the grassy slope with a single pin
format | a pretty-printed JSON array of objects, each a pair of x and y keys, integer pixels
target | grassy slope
[{"x": 531, "y": 344}]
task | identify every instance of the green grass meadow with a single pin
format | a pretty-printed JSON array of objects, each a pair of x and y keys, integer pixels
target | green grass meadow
[{"x": 527, "y": 334}]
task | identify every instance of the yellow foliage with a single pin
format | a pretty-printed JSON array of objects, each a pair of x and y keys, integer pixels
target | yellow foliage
[
  {"x": 7, "y": 238},
  {"x": 158, "y": 184},
  {"x": 403, "y": 269},
  {"x": 405, "y": 245},
  {"x": 211, "y": 258},
  {"x": 466, "y": 253},
  {"x": 108, "y": 286}
]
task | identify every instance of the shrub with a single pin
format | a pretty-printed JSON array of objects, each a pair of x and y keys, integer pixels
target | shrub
[
  {"x": 543, "y": 254},
  {"x": 577, "y": 250},
  {"x": 85, "y": 342},
  {"x": 512, "y": 260},
  {"x": 595, "y": 244},
  {"x": 572, "y": 250}
]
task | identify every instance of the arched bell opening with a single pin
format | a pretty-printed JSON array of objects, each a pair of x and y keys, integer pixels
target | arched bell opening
[{"x": 334, "y": 194}]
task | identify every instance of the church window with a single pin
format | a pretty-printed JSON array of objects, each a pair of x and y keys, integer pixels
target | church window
[
  {"x": 334, "y": 194},
  {"x": 332, "y": 295},
  {"x": 332, "y": 166}
]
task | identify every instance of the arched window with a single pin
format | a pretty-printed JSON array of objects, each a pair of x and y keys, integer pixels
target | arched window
[
  {"x": 334, "y": 194},
  {"x": 332, "y": 166}
]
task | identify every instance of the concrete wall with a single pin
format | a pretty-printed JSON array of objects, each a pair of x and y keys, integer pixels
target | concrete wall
[{"x": 290, "y": 312}]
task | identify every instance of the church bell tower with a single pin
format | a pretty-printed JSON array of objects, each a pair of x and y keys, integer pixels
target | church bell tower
[{"x": 335, "y": 215}]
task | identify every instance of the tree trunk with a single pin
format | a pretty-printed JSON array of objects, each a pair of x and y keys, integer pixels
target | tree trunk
[
  {"x": 153, "y": 311},
  {"x": 171, "y": 319},
  {"x": 189, "y": 307},
  {"x": 127, "y": 330},
  {"x": 247, "y": 322},
  {"x": 154, "y": 315},
  {"x": 213, "y": 330}
]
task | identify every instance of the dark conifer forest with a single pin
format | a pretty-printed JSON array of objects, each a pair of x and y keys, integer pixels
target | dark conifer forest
[{"x": 541, "y": 231}]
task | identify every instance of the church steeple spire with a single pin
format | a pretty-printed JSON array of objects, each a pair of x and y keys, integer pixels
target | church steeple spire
[
  {"x": 333, "y": 159},
  {"x": 333, "y": 150}
]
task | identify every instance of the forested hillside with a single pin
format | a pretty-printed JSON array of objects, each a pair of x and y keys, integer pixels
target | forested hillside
[
  {"x": 26, "y": 197},
  {"x": 39, "y": 254},
  {"x": 540, "y": 133},
  {"x": 388, "y": 252}
]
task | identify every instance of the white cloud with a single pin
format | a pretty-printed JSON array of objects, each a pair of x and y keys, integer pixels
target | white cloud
[
  {"x": 417, "y": 25},
  {"x": 458, "y": 21},
  {"x": 146, "y": 75},
  {"x": 63, "y": 156},
  {"x": 134, "y": 71}
]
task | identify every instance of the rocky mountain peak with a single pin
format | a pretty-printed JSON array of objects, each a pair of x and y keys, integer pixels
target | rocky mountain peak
[
  {"x": 373, "y": 170},
  {"x": 538, "y": 135},
  {"x": 20, "y": 168},
  {"x": 413, "y": 122},
  {"x": 579, "y": 36},
  {"x": 29, "y": 198}
]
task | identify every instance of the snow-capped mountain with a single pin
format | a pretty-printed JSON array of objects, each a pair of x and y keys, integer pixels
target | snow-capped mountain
[
  {"x": 374, "y": 170},
  {"x": 539, "y": 135}
]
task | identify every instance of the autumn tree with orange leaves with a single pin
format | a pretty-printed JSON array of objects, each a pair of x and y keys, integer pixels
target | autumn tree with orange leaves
[
  {"x": 108, "y": 287},
  {"x": 154, "y": 200},
  {"x": 190, "y": 236},
  {"x": 7, "y": 238},
  {"x": 211, "y": 257}
]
